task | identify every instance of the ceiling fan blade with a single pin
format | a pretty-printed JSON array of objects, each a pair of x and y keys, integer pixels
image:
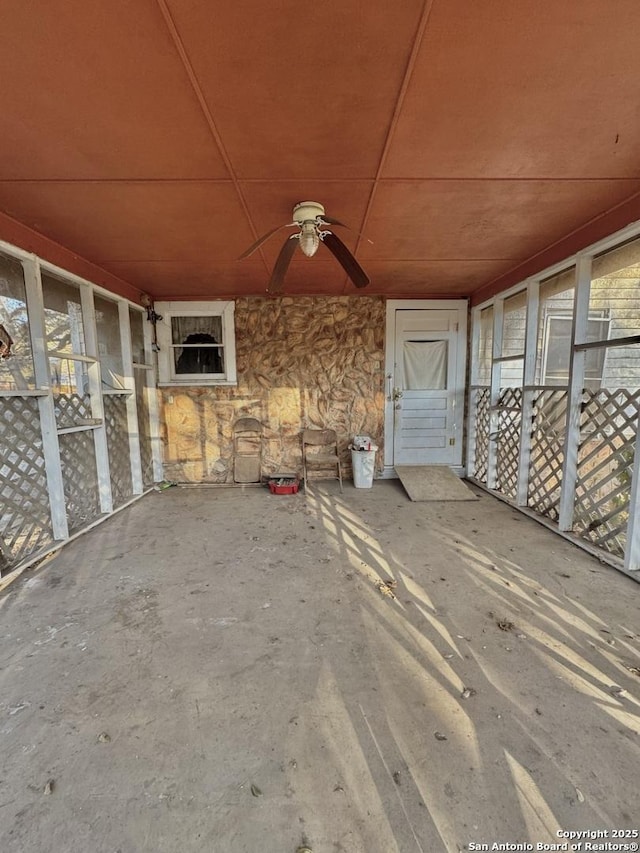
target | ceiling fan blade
[
  {"x": 328, "y": 220},
  {"x": 262, "y": 239},
  {"x": 281, "y": 266},
  {"x": 352, "y": 268},
  {"x": 331, "y": 221}
]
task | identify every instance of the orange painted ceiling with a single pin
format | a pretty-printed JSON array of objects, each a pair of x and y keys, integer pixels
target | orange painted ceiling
[{"x": 469, "y": 142}]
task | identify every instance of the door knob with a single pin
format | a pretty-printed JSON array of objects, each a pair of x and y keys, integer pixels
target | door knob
[{"x": 397, "y": 393}]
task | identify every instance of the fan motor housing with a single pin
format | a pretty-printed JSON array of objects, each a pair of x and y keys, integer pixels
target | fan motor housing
[{"x": 307, "y": 211}]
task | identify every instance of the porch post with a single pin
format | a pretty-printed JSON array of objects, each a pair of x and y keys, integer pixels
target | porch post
[
  {"x": 471, "y": 405},
  {"x": 632, "y": 550},
  {"x": 528, "y": 380},
  {"x": 576, "y": 385},
  {"x": 131, "y": 403},
  {"x": 95, "y": 395},
  {"x": 153, "y": 402},
  {"x": 48, "y": 425},
  {"x": 494, "y": 414}
]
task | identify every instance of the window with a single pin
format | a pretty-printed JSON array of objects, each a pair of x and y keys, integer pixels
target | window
[
  {"x": 558, "y": 345},
  {"x": 197, "y": 343},
  {"x": 109, "y": 343},
  {"x": 138, "y": 348},
  {"x": 63, "y": 316},
  {"x": 16, "y": 361},
  {"x": 484, "y": 353},
  {"x": 425, "y": 365},
  {"x": 66, "y": 348}
]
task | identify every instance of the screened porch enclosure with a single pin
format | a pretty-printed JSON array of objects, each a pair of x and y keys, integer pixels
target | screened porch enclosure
[
  {"x": 76, "y": 406},
  {"x": 553, "y": 403},
  {"x": 555, "y": 397}
]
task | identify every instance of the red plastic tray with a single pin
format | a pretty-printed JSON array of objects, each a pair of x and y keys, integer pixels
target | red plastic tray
[{"x": 289, "y": 489}]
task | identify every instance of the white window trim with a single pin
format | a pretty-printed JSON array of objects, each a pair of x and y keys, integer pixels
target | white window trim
[{"x": 214, "y": 308}]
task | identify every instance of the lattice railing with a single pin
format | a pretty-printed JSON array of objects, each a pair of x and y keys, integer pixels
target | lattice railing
[
  {"x": 79, "y": 473},
  {"x": 547, "y": 450},
  {"x": 25, "y": 521},
  {"x": 608, "y": 429},
  {"x": 508, "y": 441},
  {"x": 71, "y": 409},
  {"x": 481, "y": 402},
  {"x": 115, "y": 419}
]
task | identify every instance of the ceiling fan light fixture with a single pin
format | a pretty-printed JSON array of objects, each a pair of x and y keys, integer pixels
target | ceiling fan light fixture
[
  {"x": 309, "y": 239},
  {"x": 310, "y": 218},
  {"x": 307, "y": 211}
]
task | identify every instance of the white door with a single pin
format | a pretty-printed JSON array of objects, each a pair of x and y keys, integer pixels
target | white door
[{"x": 428, "y": 387}]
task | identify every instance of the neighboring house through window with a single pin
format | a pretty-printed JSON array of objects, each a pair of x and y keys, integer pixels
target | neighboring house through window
[{"x": 557, "y": 347}]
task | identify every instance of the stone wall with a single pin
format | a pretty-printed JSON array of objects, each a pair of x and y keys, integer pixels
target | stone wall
[{"x": 303, "y": 362}]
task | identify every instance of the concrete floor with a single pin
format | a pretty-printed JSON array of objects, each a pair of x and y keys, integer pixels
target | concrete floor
[{"x": 216, "y": 670}]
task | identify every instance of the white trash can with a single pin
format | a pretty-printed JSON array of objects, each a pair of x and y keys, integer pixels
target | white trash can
[{"x": 364, "y": 464}]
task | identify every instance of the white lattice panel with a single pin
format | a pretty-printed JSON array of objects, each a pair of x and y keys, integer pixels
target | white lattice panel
[
  {"x": 71, "y": 409},
  {"x": 508, "y": 441},
  {"x": 115, "y": 418},
  {"x": 608, "y": 428},
  {"x": 482, "y": 398},
  {"x": 79, "y": 473},
  {"x": 548, "y": 430},
  {"x": 25, "y": 523}
]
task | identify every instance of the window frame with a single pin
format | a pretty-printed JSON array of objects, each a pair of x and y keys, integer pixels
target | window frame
[
  {"x": 568, "y": 317},
  {"x": 225, "y": 310}
]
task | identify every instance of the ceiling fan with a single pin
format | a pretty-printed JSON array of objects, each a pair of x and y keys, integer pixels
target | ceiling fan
[{"x": 309, "y": 217}]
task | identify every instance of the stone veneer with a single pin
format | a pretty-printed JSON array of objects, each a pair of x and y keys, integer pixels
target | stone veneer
[{"x": 302, "y": 362}]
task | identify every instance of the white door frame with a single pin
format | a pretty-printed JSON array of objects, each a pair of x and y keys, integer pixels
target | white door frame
[{"x": 394, "y": 305}]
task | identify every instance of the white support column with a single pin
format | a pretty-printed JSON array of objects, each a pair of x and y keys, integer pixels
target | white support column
[
  {"x": 48, "y": 425},
  {"x": 95, "y": 395},
  {"x": 472, "y": 408},
  {"x": 132, "y": 404},
  {"x": 528, "y": 379},
  {"x": 154, "y": 427},
  {"x": 576, "y": 385},
  {"x": 153, "y": 402},
  {"x": 494, "y": 414},
  {"x": 632, "y": 550}
]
